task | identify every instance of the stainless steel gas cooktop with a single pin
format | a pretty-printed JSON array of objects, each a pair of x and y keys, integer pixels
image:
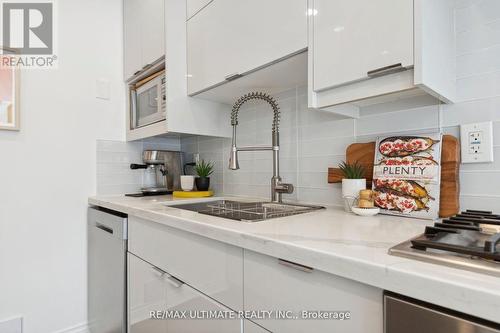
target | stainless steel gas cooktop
[{"x": 469, "y": 240}]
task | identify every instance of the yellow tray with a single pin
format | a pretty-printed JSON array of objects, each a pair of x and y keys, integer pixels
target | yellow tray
[{"x": 192, "y": 194}]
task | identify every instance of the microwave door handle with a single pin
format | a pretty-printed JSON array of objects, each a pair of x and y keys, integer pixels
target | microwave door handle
[
  {"x": 133, "y": 109},
  {"x": 159, "y": 98}
]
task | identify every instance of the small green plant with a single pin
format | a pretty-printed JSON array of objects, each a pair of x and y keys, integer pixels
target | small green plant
[
  {"x": 204, "y": 169},
  {"x": 352, "y": 170}
]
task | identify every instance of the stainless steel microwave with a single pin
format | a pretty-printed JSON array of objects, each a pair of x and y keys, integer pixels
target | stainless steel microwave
[{"x": 148, "y": 101}]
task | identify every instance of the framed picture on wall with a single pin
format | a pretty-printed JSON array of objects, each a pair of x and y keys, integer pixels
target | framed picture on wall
[{"x": 9, "y": 92}]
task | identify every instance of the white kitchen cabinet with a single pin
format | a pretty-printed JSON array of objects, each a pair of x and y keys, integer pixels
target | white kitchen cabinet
[
  {"x": 152, "y": 290},
  {"x": 185, "y": 115},
  {"x": 249, "y": 327},
  {"x": 132, "y": 54},
  {"x": 147, "y": 291},
  {"x": 231, "y": 38},
  {"x": 144, "y": 34},
  {"x": 210, "y": 266},
  {"x": 182, "y": 298},
  {"x": 153, "y": 31},
  {"x": 355, "y": 37},
  {"x": 194, "y": 6},
  {"x": 273, "y": 284},
  {"x": 369, "y": 52}
]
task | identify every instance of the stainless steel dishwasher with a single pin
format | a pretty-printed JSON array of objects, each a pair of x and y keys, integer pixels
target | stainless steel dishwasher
[
  {"x": 107, "y": 271},
  {"x": 406, "y": 315}
]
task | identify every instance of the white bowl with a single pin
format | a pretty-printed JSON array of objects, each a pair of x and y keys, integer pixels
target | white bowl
[{"x": 365, "y": 211}]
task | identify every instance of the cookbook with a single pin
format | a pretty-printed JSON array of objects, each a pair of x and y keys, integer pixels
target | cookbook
[{"x": 406, "y": 175}]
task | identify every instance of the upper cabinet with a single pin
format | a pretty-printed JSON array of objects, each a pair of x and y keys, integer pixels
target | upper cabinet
[
  {"x": 194, "y": 6},
  {"x": 228, "y": 39},
  {"x": 362, "y": 50},
  {"x": 144, "y": 34},
  {"x": 345, "y": 46}
]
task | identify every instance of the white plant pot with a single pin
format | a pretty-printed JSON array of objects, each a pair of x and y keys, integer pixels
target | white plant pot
[{"x": 350, "y": 191}]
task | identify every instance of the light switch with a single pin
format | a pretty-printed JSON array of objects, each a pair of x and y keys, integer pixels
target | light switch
[
  {"x": 102, "y": 89},
  {"x": 477, "y": 142}
]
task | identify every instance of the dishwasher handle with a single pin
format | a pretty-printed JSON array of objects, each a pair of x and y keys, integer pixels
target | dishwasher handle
[
  {"x": 103, "y": 227},
  {"x": 103, "y": 220}
]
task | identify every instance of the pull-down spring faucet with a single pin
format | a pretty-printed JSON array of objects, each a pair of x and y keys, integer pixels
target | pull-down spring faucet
[{"x": 277, "y": 186}]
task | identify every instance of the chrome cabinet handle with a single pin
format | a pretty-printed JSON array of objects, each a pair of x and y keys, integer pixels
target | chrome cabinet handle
[
  {"x": 386, "y": 70},
  {"x": 233, "y": 76},
  {"x": 146, "y": 66},
  {"x": 296, "y": 266},
  {"x": 174, "y": 281},
  {"x": 158, "y": 272}
]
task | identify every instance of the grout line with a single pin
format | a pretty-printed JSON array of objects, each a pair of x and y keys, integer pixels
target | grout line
[
  {"x": 464, "y": 77},
  {"x": 480, "y": 195},
  {"x": 479, "y": 171},
  {"x": 483, "y": 49},
  {"x": 478, "y": 26}
]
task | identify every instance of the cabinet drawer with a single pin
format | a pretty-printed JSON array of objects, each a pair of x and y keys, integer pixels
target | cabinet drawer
[
  {"x": 160, "y": 303},
  {"x": 146, "y": 293},
  {"x": 212, "y": 267},
  {"x": 194, "y": 6},
  {"x": 270, "y": 285},
  {"x": 249, "y": 327}
]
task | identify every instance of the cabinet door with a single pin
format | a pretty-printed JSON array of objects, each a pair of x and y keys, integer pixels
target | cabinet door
[
  {"x": 213, "y": 267},
  {"x": 250, "y": 327},
  {"x": 153, "y": 30},
  {"x": 195, "y": 306},
  {"x": 132, "y": 61},
  {"x": 232, "y": 37},
  {"x": 354, "y": 37},
  {"x": 147, "y": 292},
  {"x": 193, "y": 6},
  {"x": 270, "y": 284}
]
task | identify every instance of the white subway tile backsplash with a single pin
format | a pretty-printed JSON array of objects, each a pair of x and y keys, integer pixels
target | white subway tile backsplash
[
  {"x": 471, "y": 111},
  {"x": 113, "y": 173},
  {"x": 480, "y": 183},
  {"x": 479, "y": 62},
  {"x": 479, "y": 86},
  {"x": 480, "y": 202},
  {"x": 312, "y": 141},
  {"x": 476, "y": 14},
  {"x": 405, "y": 120},
  {"x": 480, "y": 37}
]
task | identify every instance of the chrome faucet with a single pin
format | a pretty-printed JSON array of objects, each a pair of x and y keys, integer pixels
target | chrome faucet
[{"x": 277, "y": 186}]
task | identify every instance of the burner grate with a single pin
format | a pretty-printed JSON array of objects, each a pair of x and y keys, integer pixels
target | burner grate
[{"x": 463, "y": 234}]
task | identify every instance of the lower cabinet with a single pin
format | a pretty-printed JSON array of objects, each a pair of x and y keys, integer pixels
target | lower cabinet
[
  {"x": 182, "y": 282},
  {"x": 301, "y": 294},
  {"x": 249, "y": 327},
  {"x": 159, "y": 302}
]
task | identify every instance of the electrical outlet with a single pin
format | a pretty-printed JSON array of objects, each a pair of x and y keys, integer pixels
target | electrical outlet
[{"x": 477, "y": 142}]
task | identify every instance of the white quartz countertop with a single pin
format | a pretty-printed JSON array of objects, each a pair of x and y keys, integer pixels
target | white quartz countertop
[{"x": 335, "y": 242}]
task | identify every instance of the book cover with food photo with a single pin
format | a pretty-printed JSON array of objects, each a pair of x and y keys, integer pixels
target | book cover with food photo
[{"x": 406, "y": 175}]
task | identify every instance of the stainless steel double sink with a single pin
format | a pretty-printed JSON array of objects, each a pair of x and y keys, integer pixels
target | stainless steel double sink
[{"x": 247, "y": 211}]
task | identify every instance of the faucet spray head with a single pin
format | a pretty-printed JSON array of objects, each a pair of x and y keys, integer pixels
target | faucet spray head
[{"x": 233, "y": 159}]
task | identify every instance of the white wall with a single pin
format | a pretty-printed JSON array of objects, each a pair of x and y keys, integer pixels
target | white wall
[
  {"x": 312, "y": 141},
  {"x": 48, "y": 169}
]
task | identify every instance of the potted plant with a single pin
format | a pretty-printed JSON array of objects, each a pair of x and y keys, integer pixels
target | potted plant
[
  {"x": 203, "y": 170},
  {"x": 352, "y": 183}
]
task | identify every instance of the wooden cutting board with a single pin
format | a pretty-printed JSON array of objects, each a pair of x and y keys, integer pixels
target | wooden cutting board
[{"x": 364, "y": 154}]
